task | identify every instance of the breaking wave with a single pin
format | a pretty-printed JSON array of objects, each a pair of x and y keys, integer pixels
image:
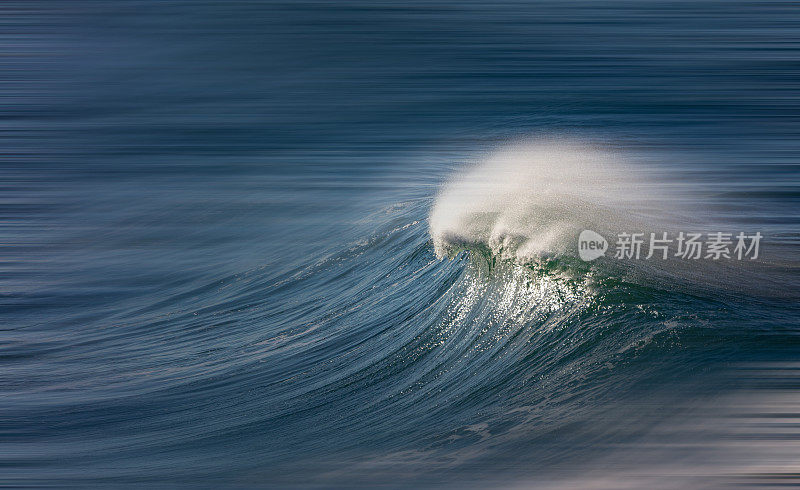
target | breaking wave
[{"x": 529, "y": 201}]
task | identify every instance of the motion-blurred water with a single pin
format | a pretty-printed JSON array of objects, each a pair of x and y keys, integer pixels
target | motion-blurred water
[{"x": 216, "y": 266}]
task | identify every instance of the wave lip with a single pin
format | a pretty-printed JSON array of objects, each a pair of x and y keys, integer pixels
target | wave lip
[{"x": 531, "y": 200}]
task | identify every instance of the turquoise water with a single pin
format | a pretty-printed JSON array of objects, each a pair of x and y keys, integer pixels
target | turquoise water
[{"x": 219, "y": 243}]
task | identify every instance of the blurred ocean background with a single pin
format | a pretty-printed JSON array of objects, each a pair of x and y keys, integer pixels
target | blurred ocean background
[{"x": 218, "y": 268}]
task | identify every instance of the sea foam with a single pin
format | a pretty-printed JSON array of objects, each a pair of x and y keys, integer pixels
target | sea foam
[{"x": 530, "y": 200}]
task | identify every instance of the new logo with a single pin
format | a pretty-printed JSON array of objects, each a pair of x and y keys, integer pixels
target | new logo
[{"x": 591, "y": 245}]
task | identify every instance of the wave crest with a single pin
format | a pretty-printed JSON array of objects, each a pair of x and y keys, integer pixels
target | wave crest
[{"x": 529, "y": 201}]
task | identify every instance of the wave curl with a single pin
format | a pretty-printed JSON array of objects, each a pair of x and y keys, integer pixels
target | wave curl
[{"x": 529, "y": 201}]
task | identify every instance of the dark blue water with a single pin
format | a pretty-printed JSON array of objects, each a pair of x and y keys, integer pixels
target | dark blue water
[{"x": 217, "y": 265}]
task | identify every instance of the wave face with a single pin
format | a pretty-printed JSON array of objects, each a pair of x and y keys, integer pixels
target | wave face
[
  {"x": 529, "y": 201},
  {"x": 376, "y": 362}
]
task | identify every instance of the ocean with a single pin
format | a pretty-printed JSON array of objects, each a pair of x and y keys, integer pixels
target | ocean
[{"x": 335, "y": 244}]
